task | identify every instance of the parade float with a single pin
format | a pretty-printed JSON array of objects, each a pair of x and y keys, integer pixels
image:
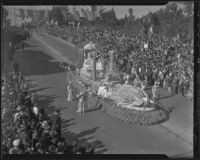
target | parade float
[
  {"x": 109, "y": 91},
  {"x": 126, "y": 102}
]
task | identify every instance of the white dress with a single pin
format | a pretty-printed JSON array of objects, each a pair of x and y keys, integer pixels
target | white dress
[
  {"x": 69, "y": 97},
  {"x": 155, "y": 91}
]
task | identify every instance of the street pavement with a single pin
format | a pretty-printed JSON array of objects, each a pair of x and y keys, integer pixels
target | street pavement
[{"x": 39, "y": 63}]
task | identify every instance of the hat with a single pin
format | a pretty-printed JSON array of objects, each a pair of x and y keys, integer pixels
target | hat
[
  {"x": 11, "y": 93},
  {"x": 54, "y": 141},
  {"x": 61, "y": 144},
  {"x": 19, "y": 108},
  {"x": 157, "y": 83},
  {"x": 16, "y": 142},
  {"x": 35, "y": 135},
  {"x": 52, "y": 148},
  {"x": 3, "y": 88},
  {"x": 44, "y": 123},
  {"x": 17, "y": 115},
  {"x": 35, "y": 110}
]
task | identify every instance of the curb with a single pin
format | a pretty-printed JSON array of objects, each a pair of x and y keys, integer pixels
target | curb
[{"x": 62, "y": 40}]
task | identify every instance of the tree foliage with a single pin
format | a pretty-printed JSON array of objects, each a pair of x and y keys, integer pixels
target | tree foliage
[
  {"x": 56, "y": 14},
  {"x": 171, "y": 21},
  {"x": 109, "y": 17}
]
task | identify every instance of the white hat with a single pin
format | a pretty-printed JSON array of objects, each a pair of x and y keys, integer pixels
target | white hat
[
  {"x": 19, "y": 108},
  {"x": 16, "y": 142},
  {"x": 157, "y": 82},
  {"x": 17, "y": 115},
  {"x": 3, "y": 88},
  {"x": 44, "y": 123},
  {"x": 111, "y": 51},
  {"x": 35, "y": 110},
  {"x": 11, "y": 93}
]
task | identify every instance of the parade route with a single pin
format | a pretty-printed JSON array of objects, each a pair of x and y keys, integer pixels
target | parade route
[{"x": 39, "y": 63}]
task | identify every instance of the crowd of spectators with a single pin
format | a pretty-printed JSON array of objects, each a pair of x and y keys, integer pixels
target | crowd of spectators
[
  {"x": 167, "y": 60},
  {"x": 26, "y": 128}
]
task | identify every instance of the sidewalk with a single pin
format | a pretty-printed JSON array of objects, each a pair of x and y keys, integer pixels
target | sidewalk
[{"x": 180, "y": 122}]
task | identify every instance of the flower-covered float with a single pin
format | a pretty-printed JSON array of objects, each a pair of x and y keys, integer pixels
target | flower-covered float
[
  {"x": 131, "y": 104},
  {"x": 124, "y": 101}
]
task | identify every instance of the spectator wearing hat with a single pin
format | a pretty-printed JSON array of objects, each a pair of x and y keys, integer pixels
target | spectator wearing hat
[
  {"x": 35, "y": 138},
  {"x": 16, "y": 149},
  {"x": 57, "y": 121},
  {"x": 60, "y": 148},
  {"x": 52, "y": 149}
]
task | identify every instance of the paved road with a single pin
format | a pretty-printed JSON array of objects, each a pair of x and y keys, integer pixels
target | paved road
[{"x": 40, "y": 66}]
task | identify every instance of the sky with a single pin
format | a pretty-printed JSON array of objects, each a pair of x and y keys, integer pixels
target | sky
[
  {"x": 120, "y": 11},
  {"x": 138, "y": 11}
]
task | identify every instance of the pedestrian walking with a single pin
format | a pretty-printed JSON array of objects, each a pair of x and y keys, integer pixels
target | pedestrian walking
[
  {"x": 80, "y": 102},
  {"x": 82, "y": 99}
]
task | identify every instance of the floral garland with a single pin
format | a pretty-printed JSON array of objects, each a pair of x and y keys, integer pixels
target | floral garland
[{"x": 146, "y": 118}]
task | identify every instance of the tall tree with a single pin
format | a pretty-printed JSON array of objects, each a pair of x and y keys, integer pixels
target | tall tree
[
  {"x": 5, "y": 22},
  {"x": 189, "y": 8},
  {"x": 57, "y": 15},
  {"x": 109, "y": 17},
  {"x": 130, "y": 11},
  {"x": 21, "y": 13},
  {"x": 30, "y": 13}
]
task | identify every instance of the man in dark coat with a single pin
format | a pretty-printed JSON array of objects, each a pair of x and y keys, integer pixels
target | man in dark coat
[{"x": 56, "y": 121}]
